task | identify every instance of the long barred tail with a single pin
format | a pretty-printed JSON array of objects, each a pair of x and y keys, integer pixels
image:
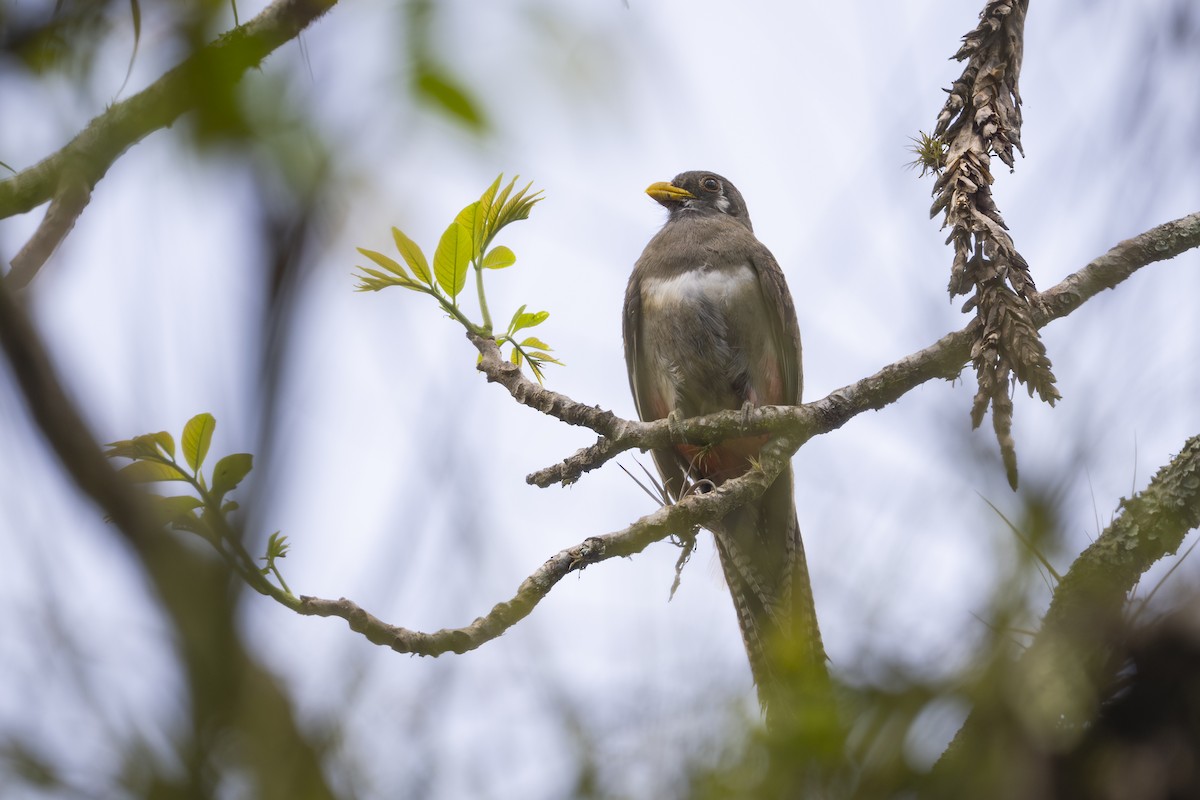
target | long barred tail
[{"x": 762, "y": 557}]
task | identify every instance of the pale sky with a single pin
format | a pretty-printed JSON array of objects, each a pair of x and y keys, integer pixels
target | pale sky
[{"x": 399, "y": 473}]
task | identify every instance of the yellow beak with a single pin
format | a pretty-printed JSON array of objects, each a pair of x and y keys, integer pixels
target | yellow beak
[{"x": 664, "y": 192}]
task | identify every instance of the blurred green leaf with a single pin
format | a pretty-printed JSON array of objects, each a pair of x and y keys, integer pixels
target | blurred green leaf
[
  {"x": 412, "y": 256},
  {"x": 166, "y": 442},
  {"x": 193, "y": 524},
  {"x": 123, "y": 448},
  {"x": 197, "y": 436},
  {"x": 229, "y": 471},
  {"x": 173, "y": 510},
  {"x": 499, "y": 257},
  {"x": 277, "y": 546},
  {"x": 451, "y": 259},
  {"x": 533, "y": 341},
  {"x": 437, "y": 88},
  {"x": 152, "y": 471},
  {"x": 137, "y": 448}
]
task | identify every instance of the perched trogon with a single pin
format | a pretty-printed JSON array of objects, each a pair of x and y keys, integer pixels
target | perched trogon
[{"x": 709, "y": 325}]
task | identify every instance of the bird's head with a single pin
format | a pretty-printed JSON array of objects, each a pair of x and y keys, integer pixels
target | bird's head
[{"x": 700, "y": 192}]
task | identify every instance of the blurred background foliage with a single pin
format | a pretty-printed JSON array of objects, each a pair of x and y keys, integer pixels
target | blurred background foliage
[{"x": 212, "y": 271}]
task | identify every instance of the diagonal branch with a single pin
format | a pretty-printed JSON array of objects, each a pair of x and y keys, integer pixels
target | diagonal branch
[
  {"x": 222, "y": 63},
  {"x": 60, "y": 218},
  {"x": 943, "y": 359},
  {"x": 229, "y": 690},
  {"x": 793, "y": 425},
  {"x": 1058, "y": 679},
  {"x": 690, "y": 512}
]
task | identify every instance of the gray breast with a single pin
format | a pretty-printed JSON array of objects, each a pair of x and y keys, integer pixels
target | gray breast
[{"x": 697, "y": 338}]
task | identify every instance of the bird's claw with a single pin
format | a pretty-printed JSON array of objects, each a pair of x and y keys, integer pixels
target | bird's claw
[
  {"x": 589, "y": 552},
  {"x": 747, "y": 412},
  {"x": 675, "y": 424}
]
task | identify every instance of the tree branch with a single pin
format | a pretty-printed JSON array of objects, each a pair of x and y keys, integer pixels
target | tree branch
[
  {"x": 60, "y": 218},
  {"x": 792, "y": 426},
  {"x": 228, "y": 689},
  {"x": 1058, "y": 681},
  {"x": 90, "y": 154},
  {"x": 690, "y": 512},
  {"x": 943, "y": 359},
  {"x": 1160, "y": 243}
]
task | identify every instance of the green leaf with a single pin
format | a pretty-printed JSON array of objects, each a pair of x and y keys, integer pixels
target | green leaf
[
  {"x": 512, "y": 326},
  {"x": 412, "y": 256},
  {"x": 533, "y": 341},
  {"x": 451, "y": 258},
  {"x": 499, "y": 257},
  {"x": 390, "y": 264},
  {"x": 467, "y": 218},
  {"x": 526, "y": 319},
  {"x": 137, "y": 448},
  {"x": 439, "y": 89},
  {"x": 179, "y": 504},
  {"x": 517, "y": 208},
  {"x": 173, "y": 510},
  {"x": 373, "y": 280},
  {"x": 494, "y": 211},
  {"x": 194, "y": 524},
  {"x": 483, "y": 213},
  {"x": 197, "y": 436},
  {"x": 229, "y": 471},
  {"x": 152, "y": 471},
  {"x": 166, "y": 443},
  {"x": 277, "y": 547}
]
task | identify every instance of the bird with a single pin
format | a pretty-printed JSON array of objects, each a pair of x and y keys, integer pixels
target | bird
[{"x": 710, "y": 325}]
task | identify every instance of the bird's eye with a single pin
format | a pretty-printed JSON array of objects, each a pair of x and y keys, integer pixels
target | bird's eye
[{"x": 711, "y": 184}]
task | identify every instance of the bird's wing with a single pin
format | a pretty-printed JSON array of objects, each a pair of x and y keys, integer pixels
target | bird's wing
[
  {"x": 641, "y": 384},
  {"x": 781, "y": 312},
  {"x": 631, "y": 323}
]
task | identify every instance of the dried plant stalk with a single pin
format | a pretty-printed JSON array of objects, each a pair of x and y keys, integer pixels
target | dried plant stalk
[{"x": 982, "y": 118}]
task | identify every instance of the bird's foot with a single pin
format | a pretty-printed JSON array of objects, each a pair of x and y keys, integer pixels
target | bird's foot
[
  {"x": 675, "y": 424},
  {"x": 747, "y": 412}
]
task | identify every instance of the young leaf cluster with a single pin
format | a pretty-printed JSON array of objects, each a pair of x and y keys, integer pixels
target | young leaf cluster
[
  {"x": 466, "y": 245},
  {"x": 206, "y": 510}
]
